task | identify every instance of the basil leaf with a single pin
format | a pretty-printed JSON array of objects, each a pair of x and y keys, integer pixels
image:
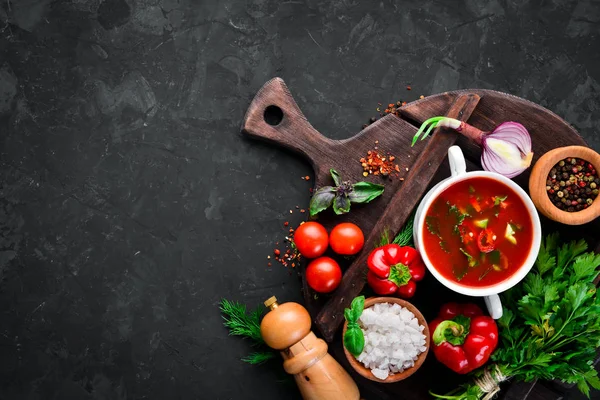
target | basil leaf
[
  {"x": 357, "y": 307},
  {"x": 364, "y": 192},
  {"x": 354, "y": 339},
  {"x": 348, "y": 315},
  {"x": 321, "y": 200},
  {"x": 341, "y": 204},
  {"x": 336, "y": 177}
]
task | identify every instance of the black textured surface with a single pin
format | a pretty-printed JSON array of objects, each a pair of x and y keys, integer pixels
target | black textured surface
[{"x": 129, "y": 203}]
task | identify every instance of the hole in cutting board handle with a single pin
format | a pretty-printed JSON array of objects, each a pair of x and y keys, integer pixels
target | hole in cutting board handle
[{"x": 273, "y": 115}]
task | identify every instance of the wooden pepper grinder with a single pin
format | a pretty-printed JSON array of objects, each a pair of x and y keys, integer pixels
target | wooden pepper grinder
[{"x": 319, "y": 377}]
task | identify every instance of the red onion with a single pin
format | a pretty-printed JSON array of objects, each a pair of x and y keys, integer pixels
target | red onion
[{"x": 506, "y": 150}]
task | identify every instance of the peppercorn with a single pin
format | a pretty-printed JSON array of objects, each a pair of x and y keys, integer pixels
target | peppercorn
[{"x": 572, "y": 184}]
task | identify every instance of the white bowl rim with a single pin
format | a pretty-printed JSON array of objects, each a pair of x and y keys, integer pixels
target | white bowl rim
[{"x": 513, "y": 279}]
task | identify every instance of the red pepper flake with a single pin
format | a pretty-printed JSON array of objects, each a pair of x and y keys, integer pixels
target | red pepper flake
[
  {"x": 286, "y": 223},
  {"x": 307, "y": 178},
  {"x": 310, "y": 190},
  {"x": 408, "y": 87},
  {"x": 277, "y": 252},
  {"x": 291, "y": 230},
  {"x": 302, "y": 210},
  {"x": 378, "y": 164},
  {"x": 269, "y": 264}
]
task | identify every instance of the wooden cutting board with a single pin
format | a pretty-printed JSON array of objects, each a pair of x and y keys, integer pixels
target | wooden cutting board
[{"x": 274, "y": 116}]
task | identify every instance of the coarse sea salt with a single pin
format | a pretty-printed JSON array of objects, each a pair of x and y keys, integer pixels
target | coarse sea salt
[{"x": 393, "y": 339}]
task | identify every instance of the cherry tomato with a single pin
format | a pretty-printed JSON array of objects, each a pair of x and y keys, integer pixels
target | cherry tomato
[
  {"x": 323, "y": 274},
  {"x": 311, "y": 239},
  {"x": 346, "y": 239},
  {"x": 407, "y": 291},
  {"x": 486, "y": 241}
]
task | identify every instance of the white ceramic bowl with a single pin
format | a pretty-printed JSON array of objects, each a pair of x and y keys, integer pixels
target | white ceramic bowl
[{"x": 459, "y": 173}]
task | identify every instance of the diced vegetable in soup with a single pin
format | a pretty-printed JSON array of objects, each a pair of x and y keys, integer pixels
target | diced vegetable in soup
[{"x": 477, "y": 232}]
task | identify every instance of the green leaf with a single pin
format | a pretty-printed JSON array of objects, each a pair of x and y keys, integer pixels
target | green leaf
[
  {"x": 499, "y": 199},
  {"x": 432, "y": 225},
  {"x": 583, "y": 387},
  {"x": 577, "y": 294},
  {"x": 585, "y": 266},
  {"x": 341, "y": 204},
  {"x": 568, "y": 251},
  {"x": 550, "y": 296},
  {"x": 354, "y": 339},
  {"x": 321, "y": 200},
  {"x": 336, "y": 177},
  {"x": 364, "y": 192},
  {"x": 348, "y": 315},
  {"x": 591, "y": 377},
  {"x": 357, "y": 306},
  {"x": 494, "y": 256},
  {"x": 472, "y": 260},
  {"x": 534, "y": 284},
  {"x": 399, "y": 274}
]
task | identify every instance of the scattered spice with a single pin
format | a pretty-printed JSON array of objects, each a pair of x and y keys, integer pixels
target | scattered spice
[
  {"x": 573, "y": 184},
  {"x": 302, "y": 210},
  {"x": 277, "y": 252},
  {"x": 286, "y": 223},
  {"x": 408, "y": 87},
  {"x": 377, "y": 164},
  {"x": 307, "y": 178}
]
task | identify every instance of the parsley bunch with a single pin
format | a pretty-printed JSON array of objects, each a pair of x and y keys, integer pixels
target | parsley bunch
[{"x": 550, "y": 328}]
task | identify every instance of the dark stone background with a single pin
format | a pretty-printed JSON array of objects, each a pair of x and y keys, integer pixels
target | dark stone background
[{"x": 129, "y": 203}]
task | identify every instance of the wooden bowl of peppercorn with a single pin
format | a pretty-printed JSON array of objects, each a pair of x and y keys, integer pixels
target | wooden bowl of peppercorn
[{"x": 565, "y": 183}]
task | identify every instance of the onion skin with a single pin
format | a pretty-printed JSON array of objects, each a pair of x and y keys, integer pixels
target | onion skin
[{"x": 516, "y": 137}]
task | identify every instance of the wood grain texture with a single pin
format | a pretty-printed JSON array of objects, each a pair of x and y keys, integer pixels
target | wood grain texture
[
  {"x": 394, "y": 216},
  {"x": 548, "y": 131}
]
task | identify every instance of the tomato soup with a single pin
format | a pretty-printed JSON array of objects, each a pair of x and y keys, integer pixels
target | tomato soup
[{"x": 478, "y": 232}]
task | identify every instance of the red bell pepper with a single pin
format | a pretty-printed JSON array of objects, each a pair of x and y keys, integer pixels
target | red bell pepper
[
  {"x": 394, "y": 269},
  {"x": 462, "y": 337}
]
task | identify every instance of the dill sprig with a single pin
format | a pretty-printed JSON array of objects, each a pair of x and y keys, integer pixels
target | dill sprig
[
  {"x": 259, "y": 357},
  {"x": 242, "y": 322},
  {"x": 404, "y": 238}
]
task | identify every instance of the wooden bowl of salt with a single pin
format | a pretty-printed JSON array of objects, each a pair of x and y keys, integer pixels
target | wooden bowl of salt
[{"x": 398, "y": 376}]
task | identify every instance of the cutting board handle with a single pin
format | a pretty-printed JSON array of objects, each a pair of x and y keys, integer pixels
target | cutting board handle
[{"x": 274, "y": 116}]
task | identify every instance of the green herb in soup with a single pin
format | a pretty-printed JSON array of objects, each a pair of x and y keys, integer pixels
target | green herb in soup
[{"x": 477, "y": 232}]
